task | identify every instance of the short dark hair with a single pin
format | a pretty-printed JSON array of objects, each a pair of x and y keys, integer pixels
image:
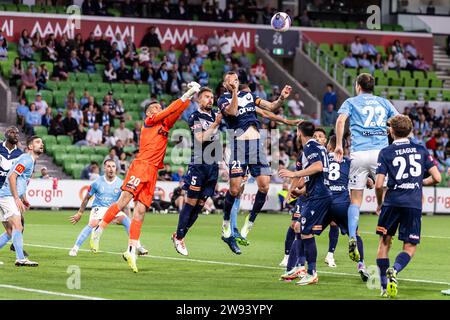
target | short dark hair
[
  {"x": 31, "y": 139},
  {"x": 332, "y": 142},
  {"x": 150, "y": 103},
  {"x": 321, "y": 130},
  {"x": 307, "y": 128},
  {"x": 229, "y": 73},
  {"x": 108, "y": 160},
  {"x": 204, "y": 89},
  {"x": 330, "y": 85},
  {"x": 366, "y": 81}
]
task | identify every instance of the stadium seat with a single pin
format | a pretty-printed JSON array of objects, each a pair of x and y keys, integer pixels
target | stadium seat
[
  {"x": 72, "y": 149},
  {"x": 436, "y": 83},
  {"x": 82, "y": 77},
  {"x": 50, "y": 9},
  {"x": 37, "y": 9},
  {"x": 82, "y": 157},
  {"x": 64, "y": 140},
  {"x": 23, "y": 8},
  {"x": 40, "y": 131},
  {"x": 423, "y": 82},
  {"x": 102, "y": 150},
  {"x": 446, "y": 95},
  {"x": 432, "y": 95},
  {"x": 87, "y": 150},
  {"x": 61, "y": 156},
  {"x": 48, "y": 140}
]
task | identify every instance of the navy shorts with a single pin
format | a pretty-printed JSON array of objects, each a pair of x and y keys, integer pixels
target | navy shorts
[
  {"x": 296, "y": 211},
  {"x": 201, "y": 180},
  {"x": 338, "y": 213},
  {"x": 407, "y": 220},
  {"x": 251, "y": 155},
  {"x": 313, "y": 215}
]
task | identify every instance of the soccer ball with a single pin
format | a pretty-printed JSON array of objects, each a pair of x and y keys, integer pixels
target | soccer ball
[{"x": 281, "y": 22}]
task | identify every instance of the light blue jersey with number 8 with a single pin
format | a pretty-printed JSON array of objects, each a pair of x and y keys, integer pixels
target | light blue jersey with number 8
[{"x": 368, "y": 116}]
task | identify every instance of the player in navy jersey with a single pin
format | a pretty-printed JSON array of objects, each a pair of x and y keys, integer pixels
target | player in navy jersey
[
  {"x": 317, "y": 198},
  {"x": 9, "y": 152},
  {"x": 405, "y": 163},
  {"x": 203, "y": 171},
  {"x": 247, "y": 151}
]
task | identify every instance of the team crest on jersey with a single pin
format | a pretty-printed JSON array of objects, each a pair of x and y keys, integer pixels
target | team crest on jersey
[
  {"x": 248, "y": 97},
  {"x": 20, "y": 168}
]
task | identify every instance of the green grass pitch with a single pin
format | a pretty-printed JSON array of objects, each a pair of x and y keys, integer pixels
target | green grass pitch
[{"x": 211, "y": 271}]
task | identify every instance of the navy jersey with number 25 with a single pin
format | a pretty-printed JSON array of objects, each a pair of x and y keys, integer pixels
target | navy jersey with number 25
[{"x": 405, "y": 163}]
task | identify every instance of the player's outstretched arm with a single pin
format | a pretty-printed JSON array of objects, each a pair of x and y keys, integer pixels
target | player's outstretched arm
[
  {"x": 274, "y": 117},
  {"x": 206, "y": 135},
  {"x": 77, "y": 216},
  {"x": 434, "y": 178},
  {"x": 314, "y": 168},
  {"x": 13, "y": 187},
  {"x": 275, "y": 105},
  {"x": 340, "y": 127},
  {"x": 232, "y": 108}
]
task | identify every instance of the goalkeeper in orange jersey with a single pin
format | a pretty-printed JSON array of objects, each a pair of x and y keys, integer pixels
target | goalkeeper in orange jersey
[{"x": 139, "y": 184}]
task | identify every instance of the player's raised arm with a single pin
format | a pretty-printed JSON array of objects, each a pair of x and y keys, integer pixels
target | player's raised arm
[
  {"x": 275, "y": 105},
  {"x": 231, "y": 83},
  {"x": 340, "y": 127},
  {"x": 206, "y": 135},
  {"x": 314, "y": 168},
  {"x": 272, "y": 116},
  {"x": 435, "y": 176}
]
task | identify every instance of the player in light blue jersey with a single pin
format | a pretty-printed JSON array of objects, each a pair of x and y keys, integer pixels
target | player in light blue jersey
[
  {"x": 368, "y": 115},
  {"x": 106, "y": 190},
  {"x": 13, "y": 201}
]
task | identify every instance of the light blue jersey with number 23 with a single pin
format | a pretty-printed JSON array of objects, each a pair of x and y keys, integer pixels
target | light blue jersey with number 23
[{"x": 368, "y": 116}]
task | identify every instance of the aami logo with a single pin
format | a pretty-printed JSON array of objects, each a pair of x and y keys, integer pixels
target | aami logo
[
  {"x": 53, "y": 28},
  {"x": 7, "y": 28}
]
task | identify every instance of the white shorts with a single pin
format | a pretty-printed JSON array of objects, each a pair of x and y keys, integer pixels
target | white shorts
[
  {"x": 8, "y": 208},
  {"x": 363, "y": 163},
  {"x": 97, "y": 213}
]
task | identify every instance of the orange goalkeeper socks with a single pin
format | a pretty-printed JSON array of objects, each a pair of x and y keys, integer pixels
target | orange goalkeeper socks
[
  {"x": 109, "y": 216},
  {"x": 135, "y": 231}
]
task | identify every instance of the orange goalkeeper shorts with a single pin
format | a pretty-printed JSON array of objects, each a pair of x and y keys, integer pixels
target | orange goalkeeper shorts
[{"x": 141, "y": 181}]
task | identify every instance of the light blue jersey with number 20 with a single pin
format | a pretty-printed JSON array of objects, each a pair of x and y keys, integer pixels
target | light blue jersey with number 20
[{"x": 368, "y": 116}]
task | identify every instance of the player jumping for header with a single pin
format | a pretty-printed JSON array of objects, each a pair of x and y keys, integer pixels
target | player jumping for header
[
  {"x": 368, "y": 126},
  {"x": 247, "y": 151},
  {"x": 405, "y": 164},
  {"x": 140, "y": 182}
]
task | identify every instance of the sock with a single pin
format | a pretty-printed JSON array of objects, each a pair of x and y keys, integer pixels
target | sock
[
  {"x": 17, "y": 240},
  {"x": 194, "y": 215},
  {"x": 401, "y": 261},
  {"x": 290, "y": 237},
  {"x": 84, "y": 234},
  {"x": 301, "y": 251},
  {"x": 360, "y": 245},
  {"x": 310, "y": 254},
  {"x": 126, "y": 222},
  {"x": 293, "y": 256},
  {"x": 4, "y": 238},
  {"x": 233, "y": 215},
  {"x": 135, "y": 231},
  {"x": 260, "y": 199},
  {"x": 383, "y": 265},
  {"x": 333, "y": 238},
  {"x": 109, "y": 216},
  {"x": 353, "y": 219},
  {"x": 183, "y": 220},
  {"x": 228, "y": 204}
]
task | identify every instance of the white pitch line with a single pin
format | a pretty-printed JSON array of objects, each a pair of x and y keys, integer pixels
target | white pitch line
[
  {"x": 234, "y": 264},
  {"x": 60, "y": 294}
]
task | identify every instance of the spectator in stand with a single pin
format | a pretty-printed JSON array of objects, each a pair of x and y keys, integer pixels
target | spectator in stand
[
  {"x": 124, "y": 163},
  {"x": 101, "y": 8},
  {"x": 70, "y": 125},
  {"x": 420, "y": 64},
  {"x": 41, "y": 105},
  {"x": 98, "y": 58},
  {"x": 104, "y": 117},
  {"x": 304, "y": 19},
  {"x": 49, "y": 52},
  {"x": 229, "y": 15},
  {"x": 202, "y": 49},
  {"x": 28, "y": 81},
  {"x": 203, "y": 76},
  {"x": 369, "y": 49},
  {"x": 128, "y": 10},
  {"x": 16, "y": 72},
  {"x": 44, "y": 173},
  {"x": 151, "y": 41},
  {"x": 329, "y": 116},
  {"x": 56, "y": 126},
  {"x": 60, "y": 72},
  {"x": 162, "y": 76},
  {"x": 226, "y": 44},
  {"x": 112, "y": 155},
  {"x": 422, "y": 125},
  {"x": 109, "y": 73},
  {"x": 350, "y": 61},
  {"x": 22, "y": 111},
  {"x": 295, "y": 105},
  {"x": 124, "y": 134},
  {"x": 213, "y": 45},
  {"x": 88, "y": 8},
  {"x": 47, "y": 118},
  {"x": 411, "y": 49},
  {"x": 315, "y": 119},
  {"x": 32, "y": 119},
  {"x": 123, "y": 75},
  {"x": 3, "y": 50},
  {"x": 41, "y": 77},
  {"x": 136, "y": 132},
  {"x": 87, "y": 64},
  {"x": 94, "y": 136},
  {"x": 25, "y": 48},
  {"x": 390, "y": 63},
  {"x": 166, "y": 10},
  {"x": 73, "y": 63},
  {"x": 378, "y": 62},
  {"x": 117, "y": 60},
  {"x": 63, "y": 50},
  {"x": 38, "y": 42},
  {"x": 260, "y": 69},
  {"x": 364, "y": 62},
  {"x": 260, "y": 92},
  {"x": 181, "y": 11},
  {"x": 178, "y": 176},
  {"x": 357, "y": 48},
  {"x": 330, "y": 96},
  {"x": 244, "y": 61},
  {"x": 90, "y": 42},
  {"x": 165, "y": 174}
]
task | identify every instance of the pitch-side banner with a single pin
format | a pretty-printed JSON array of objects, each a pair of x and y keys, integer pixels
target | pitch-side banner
[{"x": 69, "y": 194}]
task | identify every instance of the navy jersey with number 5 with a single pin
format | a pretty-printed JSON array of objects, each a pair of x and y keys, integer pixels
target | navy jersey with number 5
[
  {"x": 338, "y": 177},
  {"x": 246, "y": 115},
  {"x": 200, "y": 122},
  {"x": 316, "y": 184},
  {"x": 405, "y": 163}
]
